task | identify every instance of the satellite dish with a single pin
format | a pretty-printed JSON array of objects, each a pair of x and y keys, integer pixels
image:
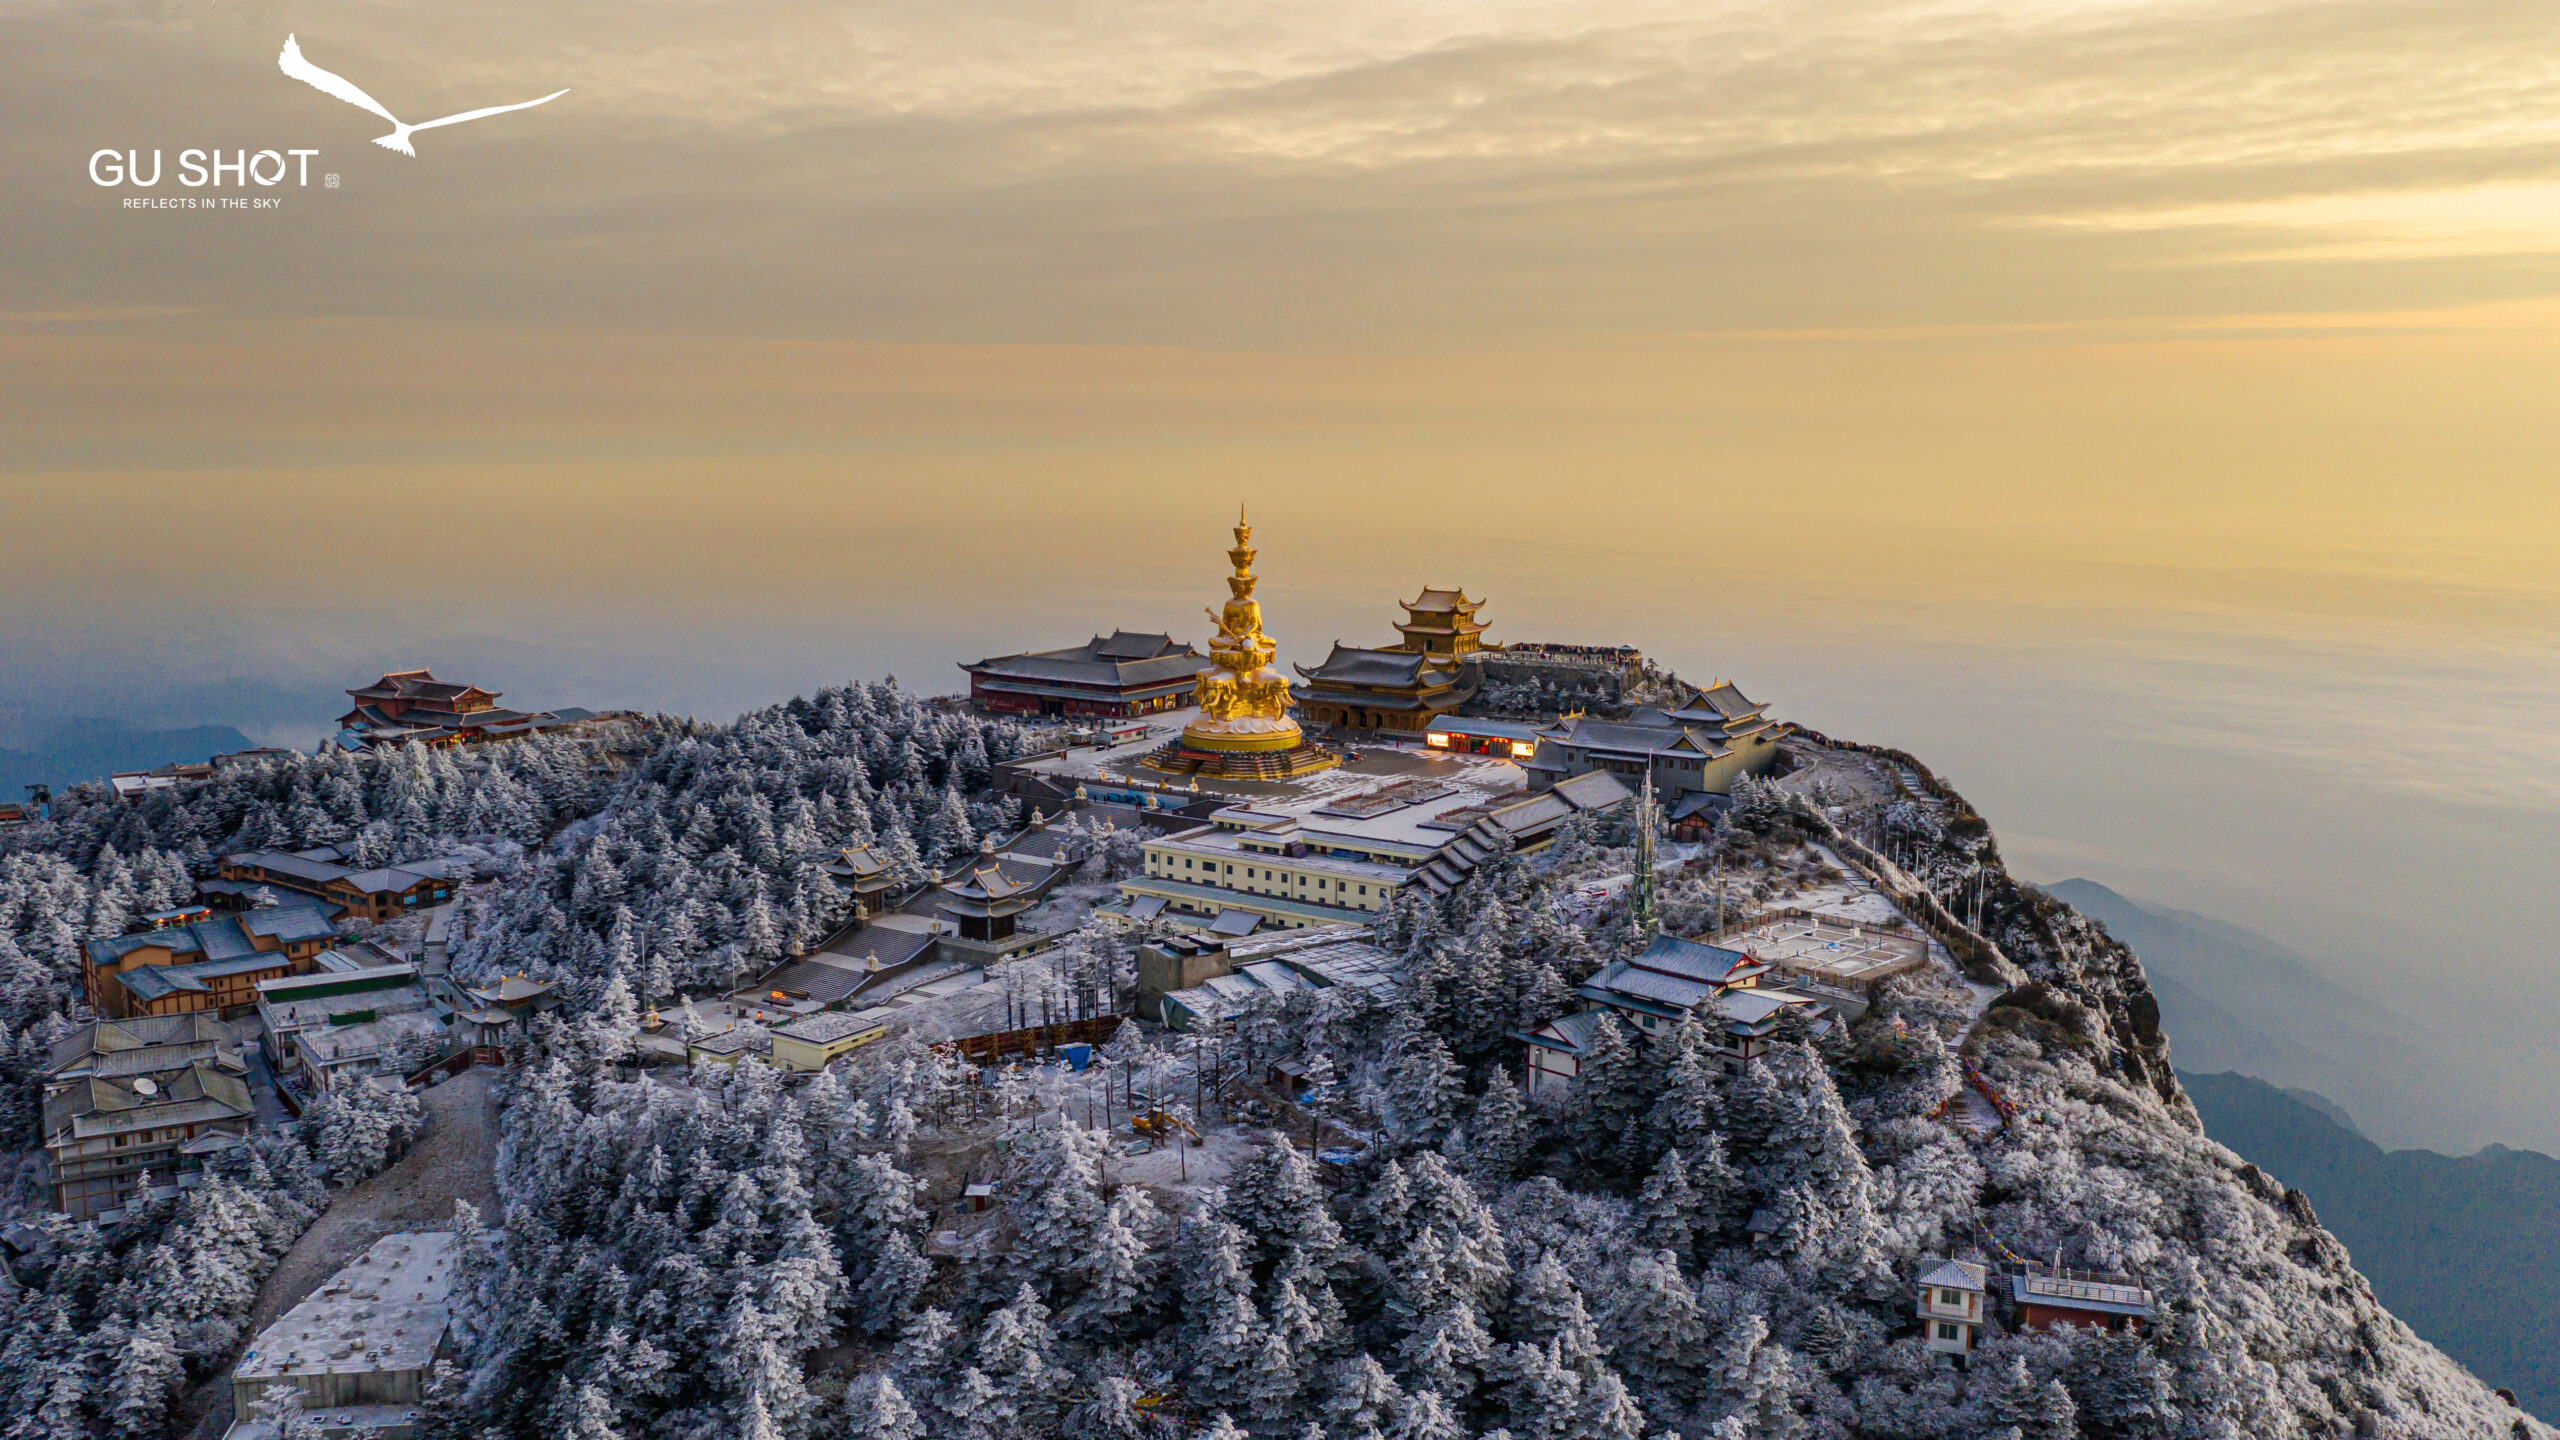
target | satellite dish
[{"x": 146, "y": 1087}]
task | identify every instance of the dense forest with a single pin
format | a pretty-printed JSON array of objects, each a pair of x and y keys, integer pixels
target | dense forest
[{"x": 738, "y": 1253}]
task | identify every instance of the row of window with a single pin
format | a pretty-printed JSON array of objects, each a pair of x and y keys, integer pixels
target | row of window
[{"x": 1254, "y": 873}]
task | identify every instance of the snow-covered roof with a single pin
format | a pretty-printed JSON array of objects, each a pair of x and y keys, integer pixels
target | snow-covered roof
[
  {"x": 2098, "y": 1296},
  {"x": 1953, "y": 1274}
]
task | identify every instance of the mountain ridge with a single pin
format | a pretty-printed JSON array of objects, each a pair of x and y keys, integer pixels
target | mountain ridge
[
  {"x": 2466, "y": 1250},
  {"x": 73, "y": 751},
  {"x": 2234, "y": 1000}
]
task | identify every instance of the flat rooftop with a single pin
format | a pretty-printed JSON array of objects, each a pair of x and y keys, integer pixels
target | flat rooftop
[
  {"x": 1228, "y": 847},
  {"x": 1378, "y": 764},
  {"x": 834, "y": 1025},
  {"x": 1843, "y": 954},
  {"x": 385, "y": 1312}
]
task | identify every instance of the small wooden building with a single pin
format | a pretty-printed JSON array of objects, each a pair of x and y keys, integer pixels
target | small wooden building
[
  {"x": 1950, "y": 1303},
  {"x": 2044, "y": 1297}
]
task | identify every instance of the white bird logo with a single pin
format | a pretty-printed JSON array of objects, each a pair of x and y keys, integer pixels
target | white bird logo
[{"x": 292, "y": 63}]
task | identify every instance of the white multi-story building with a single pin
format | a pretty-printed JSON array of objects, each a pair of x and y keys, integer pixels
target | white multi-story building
[
  {"x": 1335, "y": 859},
  {"x": 1950, "y": 1303}
]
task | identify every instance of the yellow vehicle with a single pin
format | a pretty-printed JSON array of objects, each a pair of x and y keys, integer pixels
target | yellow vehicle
[{"x": 1160, "y": 1124}]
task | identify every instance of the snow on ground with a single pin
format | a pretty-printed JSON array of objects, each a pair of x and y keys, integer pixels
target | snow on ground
[
  {"x": 1183, "y": 1169},
  {"x": 1837, "y": 776},
  {"x": 455, "y": 1158},
  {"x": 1066, "y": 908}
]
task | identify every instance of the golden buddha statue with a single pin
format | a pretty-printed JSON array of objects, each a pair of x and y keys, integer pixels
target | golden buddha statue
[{"x": 1244, "y": 702}]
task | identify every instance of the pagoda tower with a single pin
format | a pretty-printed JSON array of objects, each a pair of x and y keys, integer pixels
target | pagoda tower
[
  {"x": 1443, "y": 623},
  {"x": 1245, "y": 730}
]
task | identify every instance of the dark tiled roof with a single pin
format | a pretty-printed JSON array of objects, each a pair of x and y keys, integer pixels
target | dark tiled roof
[
  {"x": 996, "y": 882},
  {"x": 224, "y": 939},
  {"x": 415, "y": 685},
  {"x": 1129, "y": 645},
  {"x": 209, "y": 1094},
  {"x": 1573, "y": 1032},
  {"x": 856, "y": 862},
  {"x": 1713, "y": 964},
  {"x": 288, "y": 923},
  {"x": 1051, "y": 845},
  {"x": 1120, "y": 660},
  {"x": 154, "y": 982},
  {"x": 1597, "y": 790},
  {"x": 1235, "y": 922},
  {"x": 276, "y": 862},
  {"x": 1351, "y": 665},
  {"x": 143, "y": 1033},
  {"x": 1724, "y": 702},
  {"x": 1696, "y": 802},
  {"x": 177, "y": 940},
  {"x": 1621, "y": 981},
  {"x": 1645, "y": 733}
]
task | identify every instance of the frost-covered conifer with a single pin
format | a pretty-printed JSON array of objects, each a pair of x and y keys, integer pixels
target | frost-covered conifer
[
  {"x": 875, "y": 1409},
  {"x": 1498, "y": 1131},
  {"x": 1363, "y": 1399}
]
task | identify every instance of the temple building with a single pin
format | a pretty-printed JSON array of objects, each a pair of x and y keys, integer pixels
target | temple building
[
  {"x": 1409, "y": 687},
  {"x": 1443, "y": 623},
  {"x": 1647, "y": 994},
  {"x": 1245, "y": 730},
  {"x": 1403, "y": 691},
  {"x": 407, "y": 705},
  {"x": 984, "y": 903},
  {"x": 208, "y": 965},
  {"x": 1113, "y": 677},
  {"x": 1697, "y": 749},
  {"x": 864, "y": 874}
]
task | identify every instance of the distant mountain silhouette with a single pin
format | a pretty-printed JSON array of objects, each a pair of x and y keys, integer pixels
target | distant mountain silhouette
[
  {"x": 2235, "y": 1000},
  {"x": 2467, "y": 1251},
  {"x": 77, "y": 750}
]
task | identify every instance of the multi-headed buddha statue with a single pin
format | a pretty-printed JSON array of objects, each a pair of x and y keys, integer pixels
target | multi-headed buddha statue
[{"x": 1244, "y": 703}]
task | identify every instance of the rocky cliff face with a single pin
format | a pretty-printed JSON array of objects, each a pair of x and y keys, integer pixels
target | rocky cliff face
[{"x": 2268, "y": 1325}]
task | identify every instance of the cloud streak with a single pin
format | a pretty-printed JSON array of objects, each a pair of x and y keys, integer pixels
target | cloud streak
[{"x": 1261, "y": 173}]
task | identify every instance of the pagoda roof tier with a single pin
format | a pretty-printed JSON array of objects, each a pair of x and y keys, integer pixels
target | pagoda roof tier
[
  {"x": 1722, "y": 703},
  {"x": 419, "y": 686},
  {"x": 989, "y": 891},
  {"x": 957, "y": 904},
  {"x": 1365, "y": 699},
  {"x": 1400, "y": 669},
  {"x": 1441, "y": 602}
]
